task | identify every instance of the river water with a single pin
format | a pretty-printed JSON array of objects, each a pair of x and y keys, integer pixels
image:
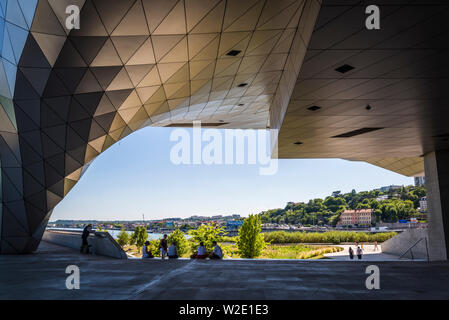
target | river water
[{"x": 115, "y": 233}]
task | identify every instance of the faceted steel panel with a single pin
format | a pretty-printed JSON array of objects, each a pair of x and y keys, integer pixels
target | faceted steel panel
[{"x": 68, "y": 95}]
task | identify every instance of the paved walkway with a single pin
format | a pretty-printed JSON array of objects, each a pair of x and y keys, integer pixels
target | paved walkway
[
  {"x": 369, "y": 254},
  {"x": 42, "y": 276}
]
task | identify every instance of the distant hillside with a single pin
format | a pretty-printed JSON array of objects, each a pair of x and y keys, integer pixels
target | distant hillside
[{"x": 401, "y": 204}]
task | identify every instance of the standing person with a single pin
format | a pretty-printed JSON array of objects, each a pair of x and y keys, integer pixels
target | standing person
[
  {"x": 201, "y": 252},
  {"x": 173, "y": 251},
  {"x": 217, "y": 253},
  {"x": 146, "y": 253},
  {"x": 375, "y": 246},
  {"x": 163, "y": 246},
  {"x": 351, "y": 253},
  {"x": 85, "y": 245},
  {"x": 359, "y": 253}
]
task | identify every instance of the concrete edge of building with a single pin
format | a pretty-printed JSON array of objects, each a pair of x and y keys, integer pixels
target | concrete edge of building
[
  {"x": 102, "y": 242},
  {"x": 399, "y": 244}
]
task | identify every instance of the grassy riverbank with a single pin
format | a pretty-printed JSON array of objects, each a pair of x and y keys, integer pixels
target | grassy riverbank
[
  {"x": 290, "y": 245},
  {"x": 335, "y": 237},
  {"x": 290, "y": 251},
  {"x": 271, "y": 251}
]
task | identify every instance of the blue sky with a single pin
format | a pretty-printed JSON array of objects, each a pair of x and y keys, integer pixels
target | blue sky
[{"x": 136, "y": 176}]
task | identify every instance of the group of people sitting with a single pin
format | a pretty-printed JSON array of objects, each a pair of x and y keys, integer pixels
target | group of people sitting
[
  {"x": 172, "y": 251},
  {"x": 201, "y": 252}
]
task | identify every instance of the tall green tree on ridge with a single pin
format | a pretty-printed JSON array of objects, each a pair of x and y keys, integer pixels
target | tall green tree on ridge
[{"x": 250, "y": 241}]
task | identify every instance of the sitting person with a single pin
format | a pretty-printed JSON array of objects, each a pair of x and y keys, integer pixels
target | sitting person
[
  {"x": 217, "y": 253},
  {"x": 146, "y": 253},
  {"x": 173, "y": 251},
  {"x": 201, "y": 252}
]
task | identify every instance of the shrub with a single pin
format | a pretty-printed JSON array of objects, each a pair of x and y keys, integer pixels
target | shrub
[
  {"x": 228, "y": 239},
  {"x": 206, "y": 233},
  {"x": 250, "y": 241},
  {"x": 139, "y": 236},
  {"x": 179, "y": 238},
  {"x": 153, "y": 247},
  {"x": 123, "y": 237},
  {"x": 335, "y": 237}
]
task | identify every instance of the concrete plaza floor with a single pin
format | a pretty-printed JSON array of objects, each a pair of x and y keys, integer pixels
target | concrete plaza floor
[
  {"x": 369, "y": 254},
  {"x": 42, "y": 276}
]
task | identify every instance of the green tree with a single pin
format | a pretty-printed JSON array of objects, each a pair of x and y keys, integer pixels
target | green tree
[
  {"x": 100, "y": 229},
  {"x": 378, "y": 214},
  {"x": 139, "y": 236},
  {"x": 250, "y": 241},
  {"x": 178, "y": 237},
  {"x": 206, "y": 233},
  {"x": 389, "y": 213},
  {"x": 123, "y": 237},
  {"x": 335, "y": 204},
  {"x": 333, "y": 220}
]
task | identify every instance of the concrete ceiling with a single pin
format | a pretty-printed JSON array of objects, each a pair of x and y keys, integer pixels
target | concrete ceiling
[{"x": 392, "y": 106}]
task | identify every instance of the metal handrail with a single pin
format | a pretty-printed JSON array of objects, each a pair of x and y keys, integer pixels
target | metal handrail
[{"x": 411, "y": 251}]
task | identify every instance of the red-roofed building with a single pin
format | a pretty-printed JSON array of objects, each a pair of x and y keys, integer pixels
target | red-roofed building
[{"x": 358, "y": 217}]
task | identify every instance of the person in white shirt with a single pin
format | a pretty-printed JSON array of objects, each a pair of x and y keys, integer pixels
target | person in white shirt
[
  {"x": 359, "y": 253},
  {"x": 201, "y": 252},
  {"x": 217, "y": 253},
  {"x": 146, "y": 253},
  {"x": 173, "y": 251}
]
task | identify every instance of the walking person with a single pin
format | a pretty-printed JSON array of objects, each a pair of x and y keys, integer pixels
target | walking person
[
  {"x": 163, "y": 246},
  {"x": 351, "y": 253},
  {"x": 85, "y": 244},
  {"x": 359, "y": 253}
]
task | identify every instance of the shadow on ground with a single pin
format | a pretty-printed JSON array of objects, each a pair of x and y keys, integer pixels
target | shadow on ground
[{"x": 42, "y": 276}]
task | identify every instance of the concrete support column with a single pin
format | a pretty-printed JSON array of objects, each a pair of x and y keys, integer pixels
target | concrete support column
[{"x": 437, "y": 184}]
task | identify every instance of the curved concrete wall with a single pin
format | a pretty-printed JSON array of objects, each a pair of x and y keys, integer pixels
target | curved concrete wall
[
  {"x": 403, "y": 241},
  {"x": 102, "y": 242}
]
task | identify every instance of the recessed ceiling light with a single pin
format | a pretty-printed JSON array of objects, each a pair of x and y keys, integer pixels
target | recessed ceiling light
[
  {"x": 242, "y": 85},
  {"x": 444, "y": 135},
  {"x": 356, "y": 132},
  {"x": 344, "y": 68},
  {"x": 298, "y": 142},
  {"x": 314, "y": 108},
  {"x": 203, "y": 124},
  {"x": 233, "y": 53}
]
